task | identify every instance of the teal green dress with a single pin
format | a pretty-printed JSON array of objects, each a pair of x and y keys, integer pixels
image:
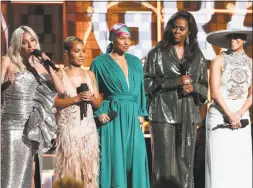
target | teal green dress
[{"x": 123, "y": 151}]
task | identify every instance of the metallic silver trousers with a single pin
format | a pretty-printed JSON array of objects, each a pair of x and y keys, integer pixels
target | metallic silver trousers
[{"x": 171, "y": 158}]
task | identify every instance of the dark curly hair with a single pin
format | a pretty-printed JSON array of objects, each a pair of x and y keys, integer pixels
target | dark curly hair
[{"x": 168, "y": 39}]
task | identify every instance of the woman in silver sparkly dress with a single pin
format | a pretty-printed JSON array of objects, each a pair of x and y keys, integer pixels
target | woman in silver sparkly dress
[
  {"x": 28, "y": 125},
  {"x": 228, "y": 130}
]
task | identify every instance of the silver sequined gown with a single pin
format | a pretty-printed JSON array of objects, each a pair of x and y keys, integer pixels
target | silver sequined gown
[{"x": 27, "y": 127}]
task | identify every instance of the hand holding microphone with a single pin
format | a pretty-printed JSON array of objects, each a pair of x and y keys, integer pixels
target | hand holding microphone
[
  {"x": 105, "y": 118},
  {"x": 86, "y": 96},
  {"x": 185, "y": 81},
  {"x": 85, "y": 93},
  {"x": 44, "y": 59}
]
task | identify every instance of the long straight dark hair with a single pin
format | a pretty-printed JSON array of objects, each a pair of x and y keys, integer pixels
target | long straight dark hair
[{"x": 168, "y": 39}]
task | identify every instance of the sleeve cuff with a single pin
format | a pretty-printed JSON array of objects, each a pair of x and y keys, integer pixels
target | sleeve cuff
[{"x": 143, "y": 113}]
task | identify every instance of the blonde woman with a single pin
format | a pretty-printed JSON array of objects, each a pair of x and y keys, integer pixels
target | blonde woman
[{"x": 27, "y": 122}]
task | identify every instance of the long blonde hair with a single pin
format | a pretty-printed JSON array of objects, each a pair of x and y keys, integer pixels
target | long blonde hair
[{"x": 16, "y": 45}]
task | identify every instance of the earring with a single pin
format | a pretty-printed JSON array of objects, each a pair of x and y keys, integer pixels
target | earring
[
  {"x": 187, "y": 40},
  {"x": 244, "y": 42},
  {"x": 113, "y": 47}
]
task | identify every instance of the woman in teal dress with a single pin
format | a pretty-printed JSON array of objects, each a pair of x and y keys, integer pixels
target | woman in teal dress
[{"x": 120, "y": 79}]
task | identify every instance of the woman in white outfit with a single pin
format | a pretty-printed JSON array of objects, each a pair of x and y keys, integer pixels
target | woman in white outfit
[{"x": 228, "y": 139}]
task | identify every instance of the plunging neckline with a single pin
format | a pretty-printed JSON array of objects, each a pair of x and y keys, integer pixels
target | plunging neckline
[
  {"x": 70, "y": 82},
  {"x": 175, "y": 51},
  {"x": 126, "y": 77}
]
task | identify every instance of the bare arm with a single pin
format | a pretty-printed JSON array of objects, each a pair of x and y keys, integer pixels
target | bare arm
[
  {"x": 248, "y": 102},
  {"x": 65, "y": 102},
  {"x": 5, "y": 71},
  {"x": 5, "y": 62},
  {"x": 215, "y": 74},
  {"x": 57, "y": 81},
  {"x": 97, "y": 97},
  {"x": 61, "y": 102}
]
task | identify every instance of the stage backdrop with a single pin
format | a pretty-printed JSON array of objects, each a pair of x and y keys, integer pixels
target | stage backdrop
[{"x": 91, "y": 21}]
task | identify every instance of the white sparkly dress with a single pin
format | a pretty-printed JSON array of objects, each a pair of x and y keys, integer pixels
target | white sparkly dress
[{"x": 229, "y": 152}]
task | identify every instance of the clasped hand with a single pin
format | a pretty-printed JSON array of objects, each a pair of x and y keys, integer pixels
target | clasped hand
[{"x": 234, "y": 120}]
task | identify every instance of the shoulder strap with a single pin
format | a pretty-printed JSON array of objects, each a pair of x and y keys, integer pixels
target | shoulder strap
[
  {"x": 89, "y": 81},
  {"x": 88, "y": 78}
]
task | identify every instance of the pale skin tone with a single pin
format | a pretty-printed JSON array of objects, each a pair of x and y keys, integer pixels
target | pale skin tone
[
  {"x": 28, "y": 45},
  {"x": 8, "y": 69},
  {"x": 216, "y": 67},
  {"x": 121, "y": 45},
  {"x": 180, "y": 31},
  {"x": 77, "y": 76}
]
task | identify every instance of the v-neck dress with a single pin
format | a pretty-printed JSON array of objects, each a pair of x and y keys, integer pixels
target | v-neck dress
[
  {"x": 123, "y": 151},
  {"x": 77, "y": 150}
]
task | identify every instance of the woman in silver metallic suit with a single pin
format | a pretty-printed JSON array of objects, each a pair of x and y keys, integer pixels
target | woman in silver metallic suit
[
  {"x": 28, "y": 125},
  {"x": 176, "y": 83}
]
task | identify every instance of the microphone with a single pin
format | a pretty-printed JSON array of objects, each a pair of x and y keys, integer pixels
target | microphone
[
  {"x": 83, "y": 106},
  {"x": 112, "y": 115},
  {"x": 183, "y": 69},
  {"x": 47, "y": 62},
  {"x": 244, "y": 123}
]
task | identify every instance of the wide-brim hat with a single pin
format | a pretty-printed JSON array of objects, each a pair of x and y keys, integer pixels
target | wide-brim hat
[{"x": 219, "y": 38}]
